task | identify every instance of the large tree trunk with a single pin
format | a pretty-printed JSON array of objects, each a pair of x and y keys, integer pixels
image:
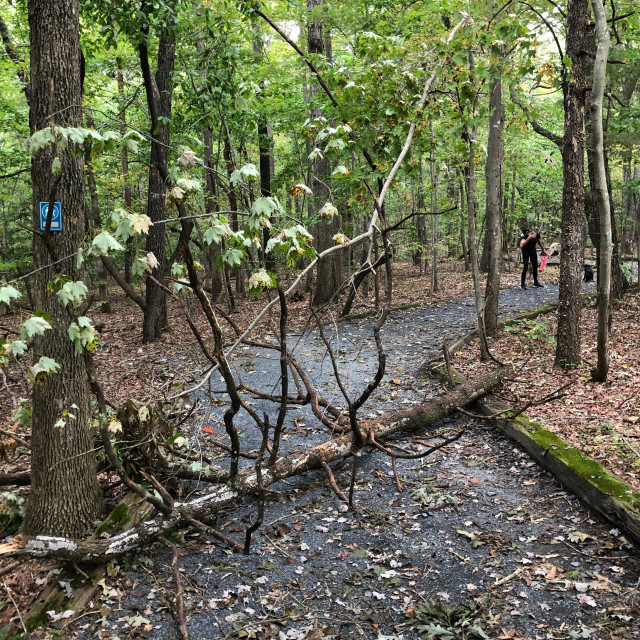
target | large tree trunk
[
  {"x": 574, "y": 91},
  {"x": 159, "y": 103},
  {"x": 327, "y": 275},
  {"x": 65, "y": 498},
  {"x": 493, "y": 178},
  {"x": 409, "y": 420}
]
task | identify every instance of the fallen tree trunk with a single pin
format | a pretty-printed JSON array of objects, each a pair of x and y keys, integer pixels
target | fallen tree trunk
[{"x": 183, "y": 514}]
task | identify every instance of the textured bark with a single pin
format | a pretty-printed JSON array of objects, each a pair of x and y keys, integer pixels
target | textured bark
[
  {"x": 159, "y": 89},
  {"x": 409, "y": 420},
  {"x": 574, "y": 91},
  {"x": 211, "y": 204},
  {"x": 124, "y": 164},
  {"x": 602, "y": 192},
  {"x": 65, "y": 498},
  {"x": 493, "y": 179},
  {"x": 327, "y": 276}
]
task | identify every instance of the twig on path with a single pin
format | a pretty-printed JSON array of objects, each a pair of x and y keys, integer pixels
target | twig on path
[
  {"x": 333, "y": 483},
  {"x": 15, "y": 606},
  {"x": 506, "y": 579},
  {"x": 589, "y": 555},
  {"x": 218, "y": 535},
  {"x": 550, "y": 397},
  {"x": 17, "y": 438},
  {"x": 179, "y": 603}
]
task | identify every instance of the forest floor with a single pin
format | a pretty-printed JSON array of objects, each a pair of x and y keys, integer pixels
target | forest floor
[{"x": 477, "y": 524}]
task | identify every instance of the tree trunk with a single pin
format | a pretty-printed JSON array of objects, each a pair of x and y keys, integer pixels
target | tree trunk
[
  {"x": 159, "y": 91},
  {"x": 327, "y": 274},
  {"x": 434, "y": 218},
  {"x": 602, "y": 192},
  {"x": 493, "y": 178},
  {"x": 126, "y": 180},
  {"x": 65, "y": 498},
  {"x": 463, "y": 219},
  {"x": 211, "y": 204},
  {"x": 574, "y": 91}
]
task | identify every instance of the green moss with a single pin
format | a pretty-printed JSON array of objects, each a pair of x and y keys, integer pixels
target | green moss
[
  {"x": 584, "y": 466},
  {"x": 117, "y": 519},
  {"x": 37, "y": 619}
]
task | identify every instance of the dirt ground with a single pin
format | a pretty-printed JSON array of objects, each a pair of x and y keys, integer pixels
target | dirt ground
[{"x": 477, "y": 524}]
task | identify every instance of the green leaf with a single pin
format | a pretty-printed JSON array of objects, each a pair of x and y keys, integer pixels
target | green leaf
[
  {"x": 9, "y": 293},
  {"x": 232, "y": 257},
  {"x": 56, "y": 166},
  {"x": 73, "y": 292},
  {"x": 43, "y": 367},
  {"x": 15, "y": 348},
  {"x": 105, "y": 242},
  {"x": 249, "y": 172},
  {"x": 34, "y": 326}
]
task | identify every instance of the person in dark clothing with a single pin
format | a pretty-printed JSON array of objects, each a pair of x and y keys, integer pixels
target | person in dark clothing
[{"x": 528, "y": 241}]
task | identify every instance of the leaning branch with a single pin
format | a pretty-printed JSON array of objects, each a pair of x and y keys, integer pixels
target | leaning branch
[{"x": 141, "y": 535}]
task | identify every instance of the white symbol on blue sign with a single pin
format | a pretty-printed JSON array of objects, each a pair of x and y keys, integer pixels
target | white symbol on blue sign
[{"x": 56, "y": 218}]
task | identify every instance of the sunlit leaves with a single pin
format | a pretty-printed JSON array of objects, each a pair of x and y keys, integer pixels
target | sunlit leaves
[
  {"x": 328, "y": 211},
  {"x": 248, "y": 173},
  {"x": 34, "y": 326},
  {"x": 103, "y": 243},
  {"x": 217, "y": 232},
  {"x": 73, "y": 292},
  {"x": 299, "y": 189},
  {"x": 83, "y": 335},
  {"x": 259, "y": 281},
  {"x": 9, "y": 293},
  {"x": 43, "y": 368}
]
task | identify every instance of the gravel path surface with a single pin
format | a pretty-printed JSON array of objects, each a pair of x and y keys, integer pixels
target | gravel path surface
[{"x": 477, "y": 523}]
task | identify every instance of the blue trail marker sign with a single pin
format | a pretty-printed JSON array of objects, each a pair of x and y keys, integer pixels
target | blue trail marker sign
[{"x": 56, "y": 218}]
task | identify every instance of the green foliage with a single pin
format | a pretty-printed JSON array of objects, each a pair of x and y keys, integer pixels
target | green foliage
[
  {"x": 42, "y": 369},
  {"x": 437, "y": 621},
  {"x": 83, "y": 335},
  {"x": 533, "y": 332},
  {"x": 261, "y": 280}
]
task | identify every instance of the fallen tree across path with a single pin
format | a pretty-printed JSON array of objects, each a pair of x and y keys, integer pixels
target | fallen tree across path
[{"x": 187, "y": 514}]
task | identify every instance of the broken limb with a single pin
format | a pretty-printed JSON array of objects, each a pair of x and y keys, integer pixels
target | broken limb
[
  {"x": 333, "y": 484},
  {"x": 144, "y": 533},
  {"x": 378, "y": 202},
  {"x": 179, "y": 602}
]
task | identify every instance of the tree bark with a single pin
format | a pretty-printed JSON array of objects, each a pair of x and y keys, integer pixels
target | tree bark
[
  {"x": 493, "y": 179},
  {"x": 327, "y": 281},
  {"x": 409, "y": 420},
  {"x": 65, "y": 498},
  {"x": 602, "y": 192},
  {"x": 159, "y": 88},
  {"x": 574, "y": 92}
]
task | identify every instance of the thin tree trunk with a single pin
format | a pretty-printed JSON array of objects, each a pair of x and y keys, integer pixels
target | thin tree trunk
[
  {"x": 602, "y": 192},
  {"x": 493, "y": 178},
  {"x": 126, "y": 180},
  {"x": 327, "y": 273},
  {"x": 159, "y": 91}
]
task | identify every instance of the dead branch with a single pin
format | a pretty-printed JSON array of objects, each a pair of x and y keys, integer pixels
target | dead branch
[
  {"x": 142, "y": 534},
  {"x": 333, "y": 484},
  {"x": 179, "y": 603}
]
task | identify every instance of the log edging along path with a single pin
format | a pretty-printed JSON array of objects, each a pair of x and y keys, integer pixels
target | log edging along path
[{"x": 580, "y": 474}]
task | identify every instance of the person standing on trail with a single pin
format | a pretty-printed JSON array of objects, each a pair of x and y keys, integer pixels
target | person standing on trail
[{"x": 528, "y": 241}]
